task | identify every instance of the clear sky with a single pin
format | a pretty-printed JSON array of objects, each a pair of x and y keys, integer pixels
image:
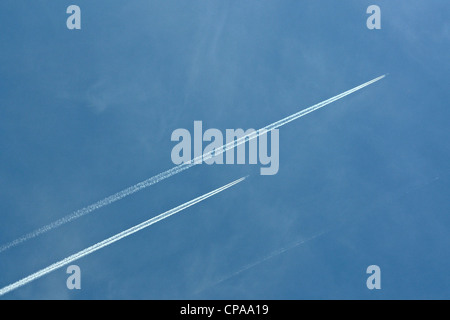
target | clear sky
[{"x": 86, "y": 113}]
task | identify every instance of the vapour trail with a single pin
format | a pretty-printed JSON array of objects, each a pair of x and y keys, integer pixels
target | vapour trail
[
  {"x": 177, "y": 169},
  {"x": 268, "y": 257},
  {"x": 114, "y": 238}
]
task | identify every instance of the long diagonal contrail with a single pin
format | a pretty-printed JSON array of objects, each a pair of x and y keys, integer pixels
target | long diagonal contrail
[
  {"x": 179, "y": 168},
  {"x": 114, "y": 238}
]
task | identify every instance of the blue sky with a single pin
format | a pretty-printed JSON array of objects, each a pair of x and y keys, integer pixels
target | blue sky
[{"x": 86, "y": 113}]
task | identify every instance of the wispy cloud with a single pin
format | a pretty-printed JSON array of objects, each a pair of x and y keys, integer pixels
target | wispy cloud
[{"x": 257, "y": 262}]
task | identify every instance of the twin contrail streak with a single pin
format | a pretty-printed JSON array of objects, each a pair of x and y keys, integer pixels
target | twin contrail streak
[
  {"x": 113, "y": 239},
  {"x": 177, "y": 169}
]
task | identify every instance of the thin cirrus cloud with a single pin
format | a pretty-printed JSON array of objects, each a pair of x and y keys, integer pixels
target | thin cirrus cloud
[{"x": 271, "y": 255}]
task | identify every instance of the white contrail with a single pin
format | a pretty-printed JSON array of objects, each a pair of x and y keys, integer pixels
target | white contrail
[
  {"x": 177, "y": 169},
  {"x": 268, "y": 257},
  {"x": 113, "y": 239}
]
